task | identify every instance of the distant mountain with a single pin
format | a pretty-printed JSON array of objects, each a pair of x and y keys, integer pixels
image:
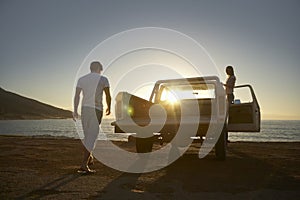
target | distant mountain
[{"x": 14, "y": 106}]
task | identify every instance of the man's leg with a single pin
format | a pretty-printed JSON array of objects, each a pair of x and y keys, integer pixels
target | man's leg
[
  {"x": 91, "y": 159},
  {"x": 88, "y": 155},
  {"x": 85, "y": 161},
  {"x": 91, "y": 130}
]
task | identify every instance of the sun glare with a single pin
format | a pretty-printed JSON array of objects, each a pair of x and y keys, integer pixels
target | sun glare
[{"x": 169, "y": 97}]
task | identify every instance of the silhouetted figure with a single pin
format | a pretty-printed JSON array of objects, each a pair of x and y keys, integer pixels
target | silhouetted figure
[
  {"x": 229, "y": 87},
  {"x": 92, "y": 86},
  {"x": 230, "y": 83}
]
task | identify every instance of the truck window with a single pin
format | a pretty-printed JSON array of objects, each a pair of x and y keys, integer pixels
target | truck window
[
  {"x": 242, "y": 95},
  {"x": 173, "y": 93}
]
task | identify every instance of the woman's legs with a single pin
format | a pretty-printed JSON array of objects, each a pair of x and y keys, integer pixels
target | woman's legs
[{"x": 230, "y": 98}]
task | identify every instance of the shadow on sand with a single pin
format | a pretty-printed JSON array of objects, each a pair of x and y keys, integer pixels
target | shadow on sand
[
  {"x": 190, "y": 177},
  {"x": 51, "y": 187}
]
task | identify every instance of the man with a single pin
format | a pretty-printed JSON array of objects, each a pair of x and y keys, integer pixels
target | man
[{"x": 92, "y": 86}]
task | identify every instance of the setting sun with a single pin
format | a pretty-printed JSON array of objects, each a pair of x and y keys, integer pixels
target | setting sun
[{"x": 169, "y": 96}]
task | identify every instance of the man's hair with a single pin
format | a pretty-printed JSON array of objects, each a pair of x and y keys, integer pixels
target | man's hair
[{"x": 96, "y": 66}]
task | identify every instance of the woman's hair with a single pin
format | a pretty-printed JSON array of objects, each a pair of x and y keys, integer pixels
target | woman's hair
[{"x": 229, "y": 70}]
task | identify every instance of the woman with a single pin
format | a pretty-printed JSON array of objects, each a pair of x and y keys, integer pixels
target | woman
[{"x": 230, "y": 83}]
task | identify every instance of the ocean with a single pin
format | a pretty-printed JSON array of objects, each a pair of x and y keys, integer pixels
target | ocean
[{"x": 271, "y": 130}]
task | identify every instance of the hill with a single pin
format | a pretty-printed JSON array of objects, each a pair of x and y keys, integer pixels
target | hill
[{"x": 14, "y": 106}]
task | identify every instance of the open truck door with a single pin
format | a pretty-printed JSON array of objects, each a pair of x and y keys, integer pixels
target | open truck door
[{"x": 244, "y": 114}]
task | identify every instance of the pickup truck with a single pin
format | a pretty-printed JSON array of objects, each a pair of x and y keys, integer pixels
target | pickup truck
[{"x": 193, "y": 106}]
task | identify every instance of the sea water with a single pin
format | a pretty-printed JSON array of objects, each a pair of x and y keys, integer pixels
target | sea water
[{"x": 271, "y": 130}]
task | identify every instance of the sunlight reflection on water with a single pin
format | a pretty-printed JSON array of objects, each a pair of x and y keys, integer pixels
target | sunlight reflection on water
[{"x": 271, "y": 130}]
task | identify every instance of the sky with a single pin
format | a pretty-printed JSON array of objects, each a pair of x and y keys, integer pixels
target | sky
[{"x": 44, "y": 43}]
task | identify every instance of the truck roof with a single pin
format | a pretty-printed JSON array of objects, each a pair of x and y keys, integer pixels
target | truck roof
[{"x": 192, "y": 79}]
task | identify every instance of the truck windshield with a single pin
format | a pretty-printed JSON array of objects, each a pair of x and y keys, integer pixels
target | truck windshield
[{"x": 175, "y": 93}]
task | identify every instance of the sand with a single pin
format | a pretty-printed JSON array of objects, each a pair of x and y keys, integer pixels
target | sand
[{"x": 45, "y": 168}]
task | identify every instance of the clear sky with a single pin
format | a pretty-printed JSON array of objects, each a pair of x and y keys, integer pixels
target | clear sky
[{"x": 43, "y": 43}]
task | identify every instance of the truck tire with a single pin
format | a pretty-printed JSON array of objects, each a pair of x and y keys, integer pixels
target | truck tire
[
  {"x": 221, "y": 145},
  {"x": 144, "y": 145}
]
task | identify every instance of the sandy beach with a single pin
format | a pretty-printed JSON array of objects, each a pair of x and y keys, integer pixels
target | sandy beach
[{"x": 45, "y": 168}]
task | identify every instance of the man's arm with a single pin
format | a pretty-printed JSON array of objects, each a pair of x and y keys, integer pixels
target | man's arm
[
  {"x": 108, "y": 100},
  {"x": 76, "y": 102}
]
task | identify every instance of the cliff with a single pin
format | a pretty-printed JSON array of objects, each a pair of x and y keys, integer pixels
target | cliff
[{"x": 14, "y": 106}]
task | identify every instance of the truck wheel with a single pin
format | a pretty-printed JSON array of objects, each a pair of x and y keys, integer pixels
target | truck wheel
[
  {"x": 221, "y": 145},
  {"x": 144, "y": 145}
]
